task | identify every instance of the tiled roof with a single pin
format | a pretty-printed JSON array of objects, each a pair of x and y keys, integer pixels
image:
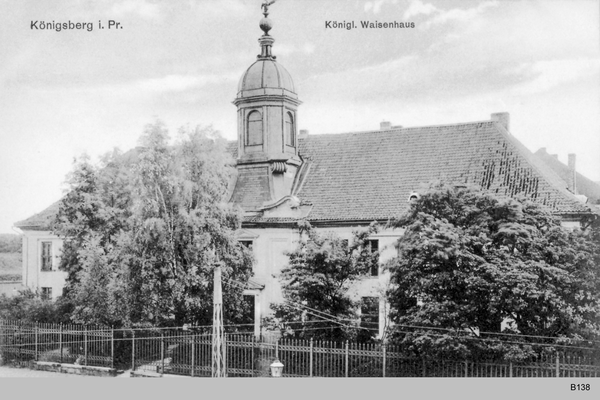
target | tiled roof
[
  {"x": 365, "y": 176},
  {"x": 370, "y": 175},
  {"x": 585, "y": 186},
  {"x": 42, "y": 220}
]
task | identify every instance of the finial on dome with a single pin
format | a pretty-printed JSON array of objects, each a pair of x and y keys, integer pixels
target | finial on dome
[{"x": 266, "y": 25}]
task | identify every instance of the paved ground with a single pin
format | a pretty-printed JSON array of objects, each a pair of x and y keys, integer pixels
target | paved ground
[{"x": 6, "y": 372}]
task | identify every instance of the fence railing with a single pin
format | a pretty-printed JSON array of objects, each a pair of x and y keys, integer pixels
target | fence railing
[{"x": 175, "y": 351}]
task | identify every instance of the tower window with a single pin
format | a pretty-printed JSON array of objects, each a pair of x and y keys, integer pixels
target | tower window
[
  {"x": 289, "y": 129},
  {"x": 254, "y": 129}
]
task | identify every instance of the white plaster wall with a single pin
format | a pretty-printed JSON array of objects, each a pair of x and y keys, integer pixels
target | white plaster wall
[
  {"x": 33, "y": 276},
  {"x": 270, "y": 246}
]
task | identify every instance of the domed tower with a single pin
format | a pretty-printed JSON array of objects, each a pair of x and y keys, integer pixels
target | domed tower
[{"x": 267, "y": 106}]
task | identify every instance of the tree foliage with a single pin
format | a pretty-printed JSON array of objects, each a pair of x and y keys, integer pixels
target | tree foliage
[
  {"x": 471, "y": 262},
  {"x": 143, "y": 231},
  {"x": 27, "y": 306},
  {"x": 316, "y": 285}
]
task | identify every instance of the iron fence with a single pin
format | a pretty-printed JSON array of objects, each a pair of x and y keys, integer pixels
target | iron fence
[{"x": 181, "y": 352}]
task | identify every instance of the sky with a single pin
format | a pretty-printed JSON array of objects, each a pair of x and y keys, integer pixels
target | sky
[{"x": 69, "y": 92}]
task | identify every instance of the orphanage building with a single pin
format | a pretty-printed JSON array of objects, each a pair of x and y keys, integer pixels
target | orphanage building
[{"x": 338, "y": 182}]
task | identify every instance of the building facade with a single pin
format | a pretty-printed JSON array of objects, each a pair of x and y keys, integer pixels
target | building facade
[{"x": 337, "y": 182}]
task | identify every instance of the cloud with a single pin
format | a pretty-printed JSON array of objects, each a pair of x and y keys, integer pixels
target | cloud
[
  {"x": 457, "y": 14},
  {"x": 375, "y": 5},
  {"x": 542, "y": 76},
  {"x": 417, "y": 7}
]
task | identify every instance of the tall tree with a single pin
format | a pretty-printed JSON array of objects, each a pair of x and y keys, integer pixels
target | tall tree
[
  {"x": 144, "y": 230},
  {"x": 316, "y": 285},
  {"x": 474, "y": 263}
]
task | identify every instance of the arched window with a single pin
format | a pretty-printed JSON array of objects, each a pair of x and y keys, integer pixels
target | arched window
[
  {"x": 254, "y": 128},
  {"x": 289, "y": 129}
]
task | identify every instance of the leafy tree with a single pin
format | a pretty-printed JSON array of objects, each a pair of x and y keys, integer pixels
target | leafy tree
[
  {"x": 29, "y": 307},
  {"x": 320, "y": 273},
  {"x": 471, "y": 262},
  {"x": 144, "y": 230}
]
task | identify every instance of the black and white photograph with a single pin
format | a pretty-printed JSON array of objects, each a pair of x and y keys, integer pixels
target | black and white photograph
[{"x": 282, "y": 189}]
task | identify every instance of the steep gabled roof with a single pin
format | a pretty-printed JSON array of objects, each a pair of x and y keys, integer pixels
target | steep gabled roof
[
  {"x": 365, "y": 176},
  {"x": 370, "y": 175},
  {"x": 585, "y": 186}
]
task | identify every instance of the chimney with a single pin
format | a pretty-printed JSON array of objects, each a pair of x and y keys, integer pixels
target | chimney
[
  {"x": 303, "y": 134},
  {"x": 503, "y": 118},
  {"x": 385, "y": 125},
  {"x": 572, "y": 174}
]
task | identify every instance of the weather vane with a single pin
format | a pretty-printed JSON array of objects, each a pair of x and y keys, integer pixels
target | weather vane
[{"x": 265, "y": 7}]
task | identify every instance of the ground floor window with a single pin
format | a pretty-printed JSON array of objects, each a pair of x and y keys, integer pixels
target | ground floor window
[
  {"x": 46, "y": 293},
  {"x": 248, "y": 315},
  {"x": 369, "y": 318}
]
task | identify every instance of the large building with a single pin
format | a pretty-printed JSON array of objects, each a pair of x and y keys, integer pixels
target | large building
[{"x": 338, "y": 182}]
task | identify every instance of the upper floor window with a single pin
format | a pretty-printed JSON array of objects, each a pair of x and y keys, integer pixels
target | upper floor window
[
  {"x": 254, "y": 128},
  {"x": 289, "y": 129},
  {"x": 46, "y": 261},
  {"x": 246, "y": 243},
  {"x": 373, "y": 247}
]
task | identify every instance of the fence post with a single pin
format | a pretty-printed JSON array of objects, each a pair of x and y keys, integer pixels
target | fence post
[
  {"x": 112, "y": 347},
  {"x": 383, "y": 351},
  {"x": 277, "y": 349},
  {"x": 424, "y": 368},
  {"x": 252, "y": 354},
  {"x": 132, "y": 351},
  {"x": 557, "y": 365},
  {"x": 466, "y": 369},
  {"x": 347, "y": 351},
  {"x": 193, "y": 354},
  {"x": 510, "y": 371},
  {"x": 60, "y": 342},
  {"x": 310, "y": 358},
  {"x": 162, "y": 352},
  {"x": 85, "y": 347},
  {"x": 36, "y": 341}
]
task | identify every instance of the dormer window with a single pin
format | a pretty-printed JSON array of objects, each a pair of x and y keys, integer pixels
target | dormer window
[
  {"x": 254, "y": 128},
  {"x": 289, "y": 132}
]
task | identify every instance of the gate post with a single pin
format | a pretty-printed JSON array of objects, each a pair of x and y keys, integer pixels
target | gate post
[
  {"x": 85, "y": 347},
  {"x": 347, "y": 358},
  {"x": 557, "y": 365},
  {"x": 60, "y": 336},
  {"x": 383, "y": 351},
  {"x": 112, "y": 347},
  {"x": 162, "y": 352},
  {"x": 193, "y": 354},
  {"x": 36, "y": 341},
  {"x": 132, "y": 351},
  {"x": 311, "y": 358}
]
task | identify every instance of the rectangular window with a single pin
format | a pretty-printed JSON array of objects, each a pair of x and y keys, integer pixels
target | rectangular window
[
  {"x": 46, "y": 261},
  {"x": 369, "y": 312},
  {"x": 246, "y": 243},
  {"x": 248, "y": 316},
  {"x": 373, "y": 246},
  {"x": 46, "y": 293}
]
